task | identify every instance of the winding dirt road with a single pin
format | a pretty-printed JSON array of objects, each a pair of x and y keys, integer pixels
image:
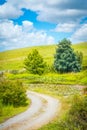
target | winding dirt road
[{"x": 42, "y": 110}]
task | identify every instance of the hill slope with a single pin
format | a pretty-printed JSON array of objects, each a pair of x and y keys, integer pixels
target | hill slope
[{"x": 13, "y": 59}]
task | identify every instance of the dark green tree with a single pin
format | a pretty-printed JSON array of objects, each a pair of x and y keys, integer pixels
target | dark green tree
[
  {"x": 34, "y": 63},
  {"x": 65, "y": 59},
  {"x": 80, "y": 57}
]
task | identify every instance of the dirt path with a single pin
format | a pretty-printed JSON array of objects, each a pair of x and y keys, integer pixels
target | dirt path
[{"x": 42, "y": 110}]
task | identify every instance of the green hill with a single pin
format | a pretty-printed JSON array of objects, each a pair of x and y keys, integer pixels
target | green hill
[{"x": 13, "y": 59}]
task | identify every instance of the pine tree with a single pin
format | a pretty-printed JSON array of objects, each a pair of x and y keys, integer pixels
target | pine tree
[
  {"x": 34, "y": 63},
  {"x": 65, "y": 59}
]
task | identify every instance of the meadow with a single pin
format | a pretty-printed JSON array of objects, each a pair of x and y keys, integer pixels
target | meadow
[
  {"x": 62, "y": 86},
  {"x": 14, "y": 59}
]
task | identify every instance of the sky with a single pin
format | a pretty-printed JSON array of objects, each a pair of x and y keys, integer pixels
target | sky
[{"x": 25, "y": 23}]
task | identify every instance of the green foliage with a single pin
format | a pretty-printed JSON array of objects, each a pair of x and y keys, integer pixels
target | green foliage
[
  {"x": 14, "y": 59},
  {"x": 66, "y": 60},
  {"x": 34, "y": 63},
  {"x": 80, "y": 57},
  {"x": 12, "y": 92},
  {"x": 73, "y": 119},
  {"x": 51, "y": 78},
  {"x": 77, "y": 116}
]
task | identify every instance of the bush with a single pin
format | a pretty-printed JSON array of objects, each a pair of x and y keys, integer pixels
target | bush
[
  {"x": 77, "y": 116},
  {"x": 12, "y": 92}
]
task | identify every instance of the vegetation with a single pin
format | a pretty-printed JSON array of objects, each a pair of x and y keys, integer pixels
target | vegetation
[
  {"x": 73, "y": 115},
  {"x": 34, "y": 63},
  {"x": 14, "y": 59},
  {"x": 13, "y": 98},
  {"x": 66, "y": 60},
  {"x": 12, "y": 93},
  {"x": 7, "y": 111},
  {"x": 76, "y": 118},
  {"x": 73, "y": 118},
  {"x": 54, "y": 89},
  {"x": 62, "y": 86},
  {"x": 51, "y": 78}
]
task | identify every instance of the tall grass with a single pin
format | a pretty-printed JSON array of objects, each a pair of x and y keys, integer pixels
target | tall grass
[
  {"x": 51, "y": 78},
  {"x": 7, "y": 111}
]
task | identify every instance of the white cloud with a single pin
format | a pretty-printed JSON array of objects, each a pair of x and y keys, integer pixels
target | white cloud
[
  {"x": 8, "y": 11},
  {"x": 66, "y": 27},
  {"x": 15, "y": 36},
  {"x": 56, "y": 11},
  {"x": 65, "y": 13},
  {"x": 27, "y": 26},
  {"x": 80, "y": 34},
  {"x": 9, "y": 30}
]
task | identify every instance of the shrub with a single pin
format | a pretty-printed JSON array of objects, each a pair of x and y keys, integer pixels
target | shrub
[
  {"x": 12, "y": 92},
  {"x": 77, "y": 116}
]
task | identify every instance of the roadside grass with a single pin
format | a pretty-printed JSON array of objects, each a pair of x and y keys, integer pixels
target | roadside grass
[
  {"x": 73, "y": 115},
  {"x": 64, "y": 93},
  {"x": 61, "y": 86},
  {"x": 7, "y": 111},
  {"x": 13, "y": 98},
  {"x": 73, "y": 103}
]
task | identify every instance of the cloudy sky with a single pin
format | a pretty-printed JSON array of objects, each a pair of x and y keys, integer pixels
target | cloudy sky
[{"x": 41, "y": 22}]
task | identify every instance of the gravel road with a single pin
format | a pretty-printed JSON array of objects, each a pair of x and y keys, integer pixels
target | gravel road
[{"x": 42, "y": 110}]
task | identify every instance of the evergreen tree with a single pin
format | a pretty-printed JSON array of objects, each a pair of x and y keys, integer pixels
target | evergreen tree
[
  {"x": 34, "y": 63},
  {"x": 65, "y": 59}
]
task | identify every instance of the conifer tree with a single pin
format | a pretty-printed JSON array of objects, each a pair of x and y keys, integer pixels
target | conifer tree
[{"x": 65, "y": 59}]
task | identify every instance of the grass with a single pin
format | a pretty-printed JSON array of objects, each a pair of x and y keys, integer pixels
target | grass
[
  {"x": 9, "y": 111},
  {"x": 64, "y": 93},
  {"x": 14, "y": 59},
  {"x": 61, "y": 86},
  {"x": 55, "y": 90},
  {"x": 51, "y": 78},
  {"x": 73, "y": 115}
]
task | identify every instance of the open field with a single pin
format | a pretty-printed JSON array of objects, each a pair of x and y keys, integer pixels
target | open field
[{"x": 13, "y": 59}]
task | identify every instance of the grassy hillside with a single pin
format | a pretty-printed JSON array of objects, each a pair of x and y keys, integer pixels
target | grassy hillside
[
  {"x": 61, "y": 86},
  {"x": 13, "y": 59}
]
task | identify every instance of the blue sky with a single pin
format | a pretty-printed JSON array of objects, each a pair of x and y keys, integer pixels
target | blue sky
[{"x": 25, "y": 23}]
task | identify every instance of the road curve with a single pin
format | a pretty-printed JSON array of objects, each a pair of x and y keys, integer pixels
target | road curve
[{"x": 42, "y": 110}]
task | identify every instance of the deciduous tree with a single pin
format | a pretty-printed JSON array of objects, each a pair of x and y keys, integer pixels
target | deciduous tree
[{"x": 34, "y": 63}]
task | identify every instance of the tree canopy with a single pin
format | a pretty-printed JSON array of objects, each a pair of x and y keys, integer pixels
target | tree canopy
[
  {"x": 34, "y": 63},
  {"x": 65, "y": 59}
]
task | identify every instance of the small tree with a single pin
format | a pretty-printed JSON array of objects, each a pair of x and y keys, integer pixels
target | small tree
[
  {"x": 34, "y": 63},
  {"x": 65, "y": 59}
]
